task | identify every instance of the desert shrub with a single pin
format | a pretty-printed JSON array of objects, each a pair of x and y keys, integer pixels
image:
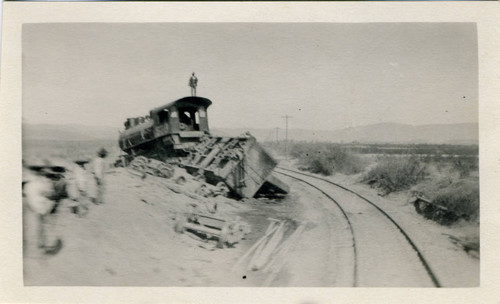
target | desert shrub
[
  {"x": 460, "y": 165},
  {"x": 458, "y": 197},
  {"x": 318, "y": 165},
  {"x": 326, "y": 159},
  {"x": 465, "y": 165},
  {"x": 393, "y": 173},
  {"x": 461, "y": 197}
]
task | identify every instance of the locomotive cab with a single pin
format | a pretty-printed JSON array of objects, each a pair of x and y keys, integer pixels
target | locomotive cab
[{"x": 188, "y": 114}]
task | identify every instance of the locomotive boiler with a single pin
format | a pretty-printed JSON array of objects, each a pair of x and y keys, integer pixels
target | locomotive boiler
[{"x": 178, "y": 134}]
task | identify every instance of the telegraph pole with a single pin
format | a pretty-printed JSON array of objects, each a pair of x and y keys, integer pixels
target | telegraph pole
[
  {"x": 286, "y": 134},
  {"x": 277, "y": 134}
]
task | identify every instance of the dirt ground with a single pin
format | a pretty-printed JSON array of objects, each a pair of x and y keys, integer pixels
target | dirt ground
[
  {"x": 442, "y": 246},
  {"x": 130, "y": 241}
]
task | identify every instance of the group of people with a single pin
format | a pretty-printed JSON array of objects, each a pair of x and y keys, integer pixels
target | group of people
[{"x": 50, "y": 184}]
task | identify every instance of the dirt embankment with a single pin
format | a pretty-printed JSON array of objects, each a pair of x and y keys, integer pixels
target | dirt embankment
[{"x": 130, "y": 239}]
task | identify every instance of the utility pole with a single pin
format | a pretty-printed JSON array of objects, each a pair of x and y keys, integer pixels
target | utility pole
[
  {"x": 286, "y": 134},
  {"x": 277, "y": 134}
]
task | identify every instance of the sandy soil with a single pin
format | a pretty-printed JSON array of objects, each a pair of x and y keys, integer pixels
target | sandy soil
[
  {"x": 130, "y": 241},
  {"x": 453, "y": 266},
  {"x": 383, "y": 257}
]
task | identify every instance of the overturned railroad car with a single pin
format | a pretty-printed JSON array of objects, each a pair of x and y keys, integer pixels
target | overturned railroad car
[{"x": 178, "y": 132}]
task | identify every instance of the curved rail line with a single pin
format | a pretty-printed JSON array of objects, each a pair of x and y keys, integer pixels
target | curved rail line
[
  {"x": 426, "y": 265},
  {"x": 355, "y": 269}
]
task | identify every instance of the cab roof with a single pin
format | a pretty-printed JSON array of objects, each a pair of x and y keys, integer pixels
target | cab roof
[{"x": 186, "y": 101}]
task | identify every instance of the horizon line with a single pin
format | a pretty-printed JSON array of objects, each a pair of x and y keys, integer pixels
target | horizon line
[{"x": 265, "y": 128}]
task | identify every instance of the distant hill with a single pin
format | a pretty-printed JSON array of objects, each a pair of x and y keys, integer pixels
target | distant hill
[
  {"x": 466, "y": 133},
  {"x": 71, "y": 132}
]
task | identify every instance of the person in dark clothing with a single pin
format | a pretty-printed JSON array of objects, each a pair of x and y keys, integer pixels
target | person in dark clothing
[{"x": 193, "y": 82}]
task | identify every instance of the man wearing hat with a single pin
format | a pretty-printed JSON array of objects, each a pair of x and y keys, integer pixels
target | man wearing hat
[
  {"x": 98, "y": 169},
  {"x": 43, "y": 190}
]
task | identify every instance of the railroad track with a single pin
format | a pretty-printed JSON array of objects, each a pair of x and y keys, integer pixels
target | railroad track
[{"x": 384, "y": 254}]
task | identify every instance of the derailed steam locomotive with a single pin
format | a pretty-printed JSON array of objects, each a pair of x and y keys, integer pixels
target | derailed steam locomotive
[{"x": 178, "y": 133}]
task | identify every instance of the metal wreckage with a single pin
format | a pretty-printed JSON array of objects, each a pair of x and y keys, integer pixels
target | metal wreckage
[{"x": 178, "y": 135}]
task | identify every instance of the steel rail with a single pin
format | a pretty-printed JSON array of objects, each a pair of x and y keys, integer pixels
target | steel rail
[
  {"x": 355, "y": 268},
  {"x": 421, "y": 257}
]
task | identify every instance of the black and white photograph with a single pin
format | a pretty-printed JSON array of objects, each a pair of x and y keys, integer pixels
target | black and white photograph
[{"x": 250, "y": 154}]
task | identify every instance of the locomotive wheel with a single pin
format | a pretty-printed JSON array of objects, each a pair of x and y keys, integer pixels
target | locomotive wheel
[
  {"x": 165, "y": 171},
  {"x": 222, "y": 189},
  {"x": 138, "y": 167},
  {"x": 141, "y": 159},
  {"x": 139, "y": 163},
  {"x": 181, "y": 180}
]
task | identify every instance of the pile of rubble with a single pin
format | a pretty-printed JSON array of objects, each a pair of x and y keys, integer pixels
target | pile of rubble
[{"x": 201, "y": 217}]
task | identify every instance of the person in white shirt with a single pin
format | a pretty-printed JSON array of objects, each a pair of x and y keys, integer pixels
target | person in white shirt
[
  {"x": 43, "y": 190},
  {"x": 77, "y": 188},
  {"x": 99, "y": 168}
]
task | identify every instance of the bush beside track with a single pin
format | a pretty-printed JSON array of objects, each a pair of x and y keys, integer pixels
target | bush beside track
[
  {"x": 451, "y": 181},
  {"x": 322, "y": 158}
]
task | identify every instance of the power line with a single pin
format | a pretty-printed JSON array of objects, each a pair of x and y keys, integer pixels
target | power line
[{"x": 286, "y": 117}]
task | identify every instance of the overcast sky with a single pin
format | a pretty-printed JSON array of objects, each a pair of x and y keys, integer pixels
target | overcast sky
[{"x": 325, "y": 75}]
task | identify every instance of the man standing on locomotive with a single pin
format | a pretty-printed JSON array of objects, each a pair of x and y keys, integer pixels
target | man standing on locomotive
[{"x": 193, "y": 82}]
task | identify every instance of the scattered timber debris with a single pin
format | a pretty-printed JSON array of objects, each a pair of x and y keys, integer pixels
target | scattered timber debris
[
  {"x": 176, "y": 138},
  {"x": 271, "y": 252},
  {"x": 152, "y": 167},
  {"x": 227, "y": 232}
]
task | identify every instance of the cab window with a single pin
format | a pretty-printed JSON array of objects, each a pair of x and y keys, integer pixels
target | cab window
[{"x": 163, "y": 116}]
